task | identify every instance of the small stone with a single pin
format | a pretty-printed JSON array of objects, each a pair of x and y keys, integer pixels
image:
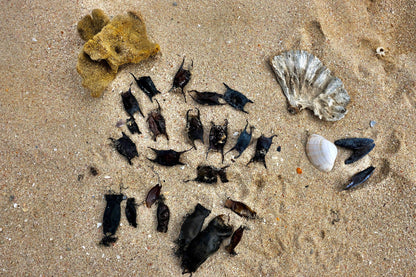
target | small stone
[
  {"x": 372, "y": 123},
  {"x": 99, "y": 224},
  {"x": 175, "y": 4}
]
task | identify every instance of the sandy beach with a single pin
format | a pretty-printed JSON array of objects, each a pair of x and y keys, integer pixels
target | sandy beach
[{"x": 53, "y": 131}]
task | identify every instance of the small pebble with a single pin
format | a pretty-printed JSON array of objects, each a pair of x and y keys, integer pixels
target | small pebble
[
  {"x": 279, "y": 148},
  {"x": 34, "y": 40},
  {"x": 174, "y": 4},
  {"x": 15, "y": 205},
  {"x": 99, "y": 224},
  {"x": 372, "y": 123},
  {"x": 1, "y": 229}
]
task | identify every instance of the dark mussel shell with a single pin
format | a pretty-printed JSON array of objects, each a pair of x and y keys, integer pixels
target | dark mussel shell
[
  {"x": 360, "y": 177},
  {"x": 153, "y": 195}
]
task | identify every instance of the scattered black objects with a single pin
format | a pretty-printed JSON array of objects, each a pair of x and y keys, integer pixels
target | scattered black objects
[
  {"x": 111, "y": 218},
  {"x": 243, "y": 141},
  {"x": 194, "y": 127},
  {"x": 360, "y": 147},
  {"x": 157, "y": 123},
  {"x": 360, "y": 177},
  {"x": 153, "y": 195},
  {"x": 205, "y": 244},
  {"x": 167, "y": 157},
  {"x": 240, "y": 208},
  {"x": 218, "y": 138},
  {"x": 132, "y": 126},
  {"x": 208, "y": 174},
  {"x": 182, "y": 78},
  {"x": 130, "y": 103},
  {"x": 190, "y": 228},
  {"x": 126, "y": 147},
  {"x": 206, "y": 98},
  {"x": 93, "y": 170},
  {"x": 235, "y": 99},
  {"x": 146, "y": 84},
  {"x": 163, "y": 216},
  {"x": 235, "y": 240},
  {"x": 262, "y": 147},
  {"x": 131, "y": 212}
]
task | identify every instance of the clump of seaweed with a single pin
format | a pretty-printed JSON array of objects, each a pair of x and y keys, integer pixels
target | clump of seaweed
[{"x": 111, "y": 44}]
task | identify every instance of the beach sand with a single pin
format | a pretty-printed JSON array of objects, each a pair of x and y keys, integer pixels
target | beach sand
[{"x": 53, "y": 131}]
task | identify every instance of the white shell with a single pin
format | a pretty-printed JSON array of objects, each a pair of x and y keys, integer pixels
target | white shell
[
  {"x": 321, "y": 152},
  {"x": 307, "y": 83}
]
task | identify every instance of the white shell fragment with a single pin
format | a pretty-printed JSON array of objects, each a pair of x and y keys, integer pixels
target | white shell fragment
[
  {"x": 321, "y": 152},
  {"x": 307, "y": 83}
]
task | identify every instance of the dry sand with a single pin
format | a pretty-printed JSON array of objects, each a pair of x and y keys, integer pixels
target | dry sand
[{"x": 52, "y": 131}]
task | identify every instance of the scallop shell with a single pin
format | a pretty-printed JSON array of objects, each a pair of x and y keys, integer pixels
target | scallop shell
[
  {"x": 307, "y": 83},
  {"x": 321, "y": 152}
]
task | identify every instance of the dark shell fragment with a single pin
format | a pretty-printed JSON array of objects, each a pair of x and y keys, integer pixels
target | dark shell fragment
[
  {"x": 191, "y": 226},
  {"x": 111, "y": 218},
  {"x": 360, "y": 147},
  {"x": 182, "y": 78},
  {"x": 132, "y": 126},
  {"x": 194, "y": 127},
  {"x": 153, "y": 195},
  {"x": 131, "y": 212},
  {"x": 360, "y": 177},
  {"x": 243, "y": 141},
  {"x": 262, "y": 147},
  {"x": 240, "y": 208},
  {"x": 167, "y": 157},
  {"x": 359, "y": 153},
  {"x": 353, "y": 143},
  {"x": 130, "y": 103},
  {"x": 205, "y": 244},
  {"x": 218, "y": 138},
  {"x": 157, "y": 123},
  {"x": 206, "y": 98},
  {"x": 126, "y": 147},
  {"x": 146, "y": 84},
  {"x": 235, "y": 240},
  {"x": 163, "y": 216},
  {"x": 236, "y": 99},
  {"x": 208, "y": 174}
]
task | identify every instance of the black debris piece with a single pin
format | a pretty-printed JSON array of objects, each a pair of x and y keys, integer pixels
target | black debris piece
[
  {"x": 206, "y": 98},
  {"x": 194, "y": 127},
  {"x": 208, "y": 174},
  {"x": 190, "y": 228},
  {"x": 146, "y": 84},
  {"x": 126, "y": 147},
  {"x": 235, "y": 240},
  {"x": 153, "y": 195},
  {"x": 218, "y": 138},
  {"x": 132, "y": 126},
  {"x": 131, "y": 212},
  {"x": 130, "y": 103},
  {"x": 157, "y": 123},
  {"x": 279, "y": 148},
  {"x": 360, "y": 177},
  {"x": 205, "y": 244},
  {"x": 240, "y": 208},
  {"x": 359, "y": 146},
  {"x": 93, "y": 170},
  {"x": 235, "y": 99},
  {"x": 163, "y": 216},
  {"x": 262, "y": 147},
  {"x": 182, "y": 78},
  {"x": 243, "y": 141},
  {"x": 111, "y": 218},
  {"x": 167, "y": 157}
]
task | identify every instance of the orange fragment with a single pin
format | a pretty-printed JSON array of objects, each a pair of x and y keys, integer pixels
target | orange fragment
[{"x": 299, "y": 170}]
